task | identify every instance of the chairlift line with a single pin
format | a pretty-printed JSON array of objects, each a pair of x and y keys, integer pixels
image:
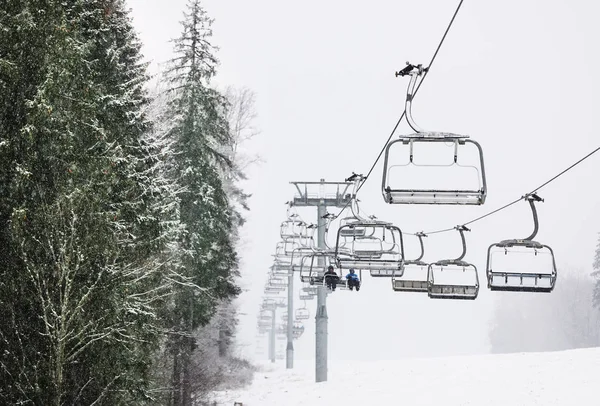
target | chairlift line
[{"x": 594, "y": 151}]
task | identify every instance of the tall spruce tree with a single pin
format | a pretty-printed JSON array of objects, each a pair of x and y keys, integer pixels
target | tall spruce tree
[
  {"x": 87, "y": 224},
  {"x": 200, "y": 133}
]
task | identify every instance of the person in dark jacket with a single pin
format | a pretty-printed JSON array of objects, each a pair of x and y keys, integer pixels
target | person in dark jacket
[
  {"x": 331, "y": 278},
  {"x": 353, "y": 280}
]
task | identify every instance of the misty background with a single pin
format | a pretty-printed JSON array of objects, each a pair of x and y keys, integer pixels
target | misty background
[{"x": 517, "y": 76}]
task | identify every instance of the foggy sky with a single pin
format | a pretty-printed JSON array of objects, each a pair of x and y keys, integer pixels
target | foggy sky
[{"x": 517, "y": 76}]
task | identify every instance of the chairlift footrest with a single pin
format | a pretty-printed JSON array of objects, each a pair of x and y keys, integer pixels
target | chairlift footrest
[
  {"x": 466, "y": 292},
  {"x": 410, "y": 286},
  {"x": 521, "y": 282}
]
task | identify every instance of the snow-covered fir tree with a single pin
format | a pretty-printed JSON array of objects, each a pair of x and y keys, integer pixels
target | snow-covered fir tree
[
  {"x": 200, "y": 133},
  {"x": 88, "y": 225}
]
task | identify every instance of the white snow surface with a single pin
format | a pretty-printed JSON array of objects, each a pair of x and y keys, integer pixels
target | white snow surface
[{"x": 551, "y": 378}]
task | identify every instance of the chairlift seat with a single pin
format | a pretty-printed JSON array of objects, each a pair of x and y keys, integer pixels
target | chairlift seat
[
  {"x": 302, "y": 314},
  {"x": 407, "y": 285},
  {"x": 451, "y": 290},
  {"x": 342, "y": 284},
  {"x": 396, "y": 194},
  {"x": 413, "y": 196},
  {"x": 382, "y": 265},
  {"x": 510, "y": 279},
  {"x": 353, "y": 232},
  {"x": 274, "y": 289},
  {"x": 413, "y": 278},
  {"x": 386, "y": 272},
  {"x": 370, "y": 254}
]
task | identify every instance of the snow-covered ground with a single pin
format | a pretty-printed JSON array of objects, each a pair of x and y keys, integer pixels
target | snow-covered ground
[{"x": 553, "y": 378}]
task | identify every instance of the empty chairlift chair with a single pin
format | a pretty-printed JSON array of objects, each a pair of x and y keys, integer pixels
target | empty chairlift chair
[
  {"x": 280, "y": 268},
  {"x": 380, "y": 250},
  {"x": 297, "y": 256},
  {"x": 293, "y": 227},
  {"x": 522, "y": 265},
  {"x": 432, "y": 167},
  {"x": 453, "y": 278},
  {"x": 302, "y": 313},
  {"x": 306, "y": 293},
  {"x": 413, "y": 278}
]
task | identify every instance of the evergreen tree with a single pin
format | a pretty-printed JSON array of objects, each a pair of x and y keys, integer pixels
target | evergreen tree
[
  {"x": 26, "y": 36},
  {"x": 89, "y": 226},
  {"x": 200, "y": 133},
  {"x": 596, "y": 274}
]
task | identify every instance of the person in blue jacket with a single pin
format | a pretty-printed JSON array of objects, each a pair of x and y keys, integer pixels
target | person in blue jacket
[{"x": 353, "y": 280}]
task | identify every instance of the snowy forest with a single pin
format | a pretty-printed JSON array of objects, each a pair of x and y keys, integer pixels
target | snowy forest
[{"x": 120, "y": 210}]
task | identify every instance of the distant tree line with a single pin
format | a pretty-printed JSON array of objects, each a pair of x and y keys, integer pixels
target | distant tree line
[
  {"x": 119, "y": 212},
  {"x": 566, "y": 318}
]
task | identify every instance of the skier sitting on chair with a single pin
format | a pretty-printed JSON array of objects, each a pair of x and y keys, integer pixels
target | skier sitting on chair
[
  {"x": 353, "y": 280},
  {"x": 331, "y": 278}
]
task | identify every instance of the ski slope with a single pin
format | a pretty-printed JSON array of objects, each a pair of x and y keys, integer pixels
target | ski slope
[{"x": 553, "y": 378}]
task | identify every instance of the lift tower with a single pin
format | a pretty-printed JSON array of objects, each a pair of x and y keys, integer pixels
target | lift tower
[{"x": 320, "y": 195}]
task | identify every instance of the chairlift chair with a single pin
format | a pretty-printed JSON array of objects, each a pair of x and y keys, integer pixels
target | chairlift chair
[
  {"x": 522, "y": 265},
  {"x": 311, "y": 289},
  {"x": 397, "y": 177},
  {"x": 313, "y": 266},
  {"x": 270, "y": 303},
  {"x": 297, "y": 255},
  {"x": 302, "y": 313},
  {"x": 351, "y": 231},
  {"x": 292, "y": 227},
  {"x": 442, "y": 276},
  {"x": 306, "y": 296},
  {"x": 280, "y": 268},
  {"x": 381, "y": 250},
  {"x": 273, "y": 289},
  {"x": 297, "y": 330},
  {"x": 278, "y": 282},
  {"x": 413, "y": 277}
]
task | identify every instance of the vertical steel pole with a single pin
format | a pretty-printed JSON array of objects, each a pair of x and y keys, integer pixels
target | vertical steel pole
[
  {"x": 289, "y": 362},
  {"x": 272, "y": 336},
  {"x": 321, "y": 317}
]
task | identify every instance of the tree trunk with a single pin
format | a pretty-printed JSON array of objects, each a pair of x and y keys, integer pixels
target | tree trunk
[
  {"x": 222, "y": 341},
  {"x": 186, "y": 384},
  {"x": 176, "y": 379}
]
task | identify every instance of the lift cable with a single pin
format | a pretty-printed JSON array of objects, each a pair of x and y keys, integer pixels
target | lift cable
[
  {"x": 520, "y": 198},
  {"x": 426, "y": 72}
]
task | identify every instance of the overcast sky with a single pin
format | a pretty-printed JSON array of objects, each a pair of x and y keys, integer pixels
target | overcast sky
[{"x": 518, "y": 76}]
